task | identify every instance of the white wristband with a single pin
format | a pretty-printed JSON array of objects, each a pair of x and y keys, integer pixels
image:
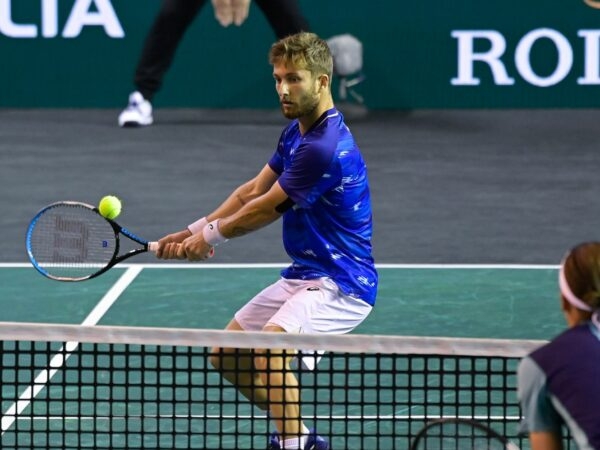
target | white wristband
[
  {"x": 212, "y": 235},
  {"x": 197, "y": 226}
]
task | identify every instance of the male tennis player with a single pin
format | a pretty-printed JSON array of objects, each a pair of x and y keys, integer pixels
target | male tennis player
[
  {"x": 559, "y": 384},
  {"x": 316, "y": 180}
]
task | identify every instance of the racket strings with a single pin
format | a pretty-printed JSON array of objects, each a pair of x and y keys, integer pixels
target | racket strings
[{"x": 71, "y": 241}]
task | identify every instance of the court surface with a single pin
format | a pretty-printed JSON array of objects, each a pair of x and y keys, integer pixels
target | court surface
[
  {"x": 517, "y": 302},
  {"x": 448, "y": 187},
  {"x": 464, "y": 186},
  {"x": 473, "y": 211}
]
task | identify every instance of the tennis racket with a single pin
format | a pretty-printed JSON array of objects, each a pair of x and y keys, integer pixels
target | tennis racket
[
  {"x": 459, "y": 434},
  {"x": 72, "y": 241}
]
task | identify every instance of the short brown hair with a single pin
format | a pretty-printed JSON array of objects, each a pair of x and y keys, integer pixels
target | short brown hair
[
  {"x": 304, "y": 51},
  {"x": 582, "y": 272}
]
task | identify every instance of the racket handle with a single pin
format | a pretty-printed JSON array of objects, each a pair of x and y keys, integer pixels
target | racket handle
[{"x": 153, "y": 247}]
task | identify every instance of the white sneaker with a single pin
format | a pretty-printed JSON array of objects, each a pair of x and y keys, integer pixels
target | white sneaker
[{"x": 138, "y": 112}]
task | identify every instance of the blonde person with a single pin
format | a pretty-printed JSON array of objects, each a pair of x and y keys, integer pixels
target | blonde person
[
  {"x": 559, "y": 384},
  {"x": 316, "y": 183}
]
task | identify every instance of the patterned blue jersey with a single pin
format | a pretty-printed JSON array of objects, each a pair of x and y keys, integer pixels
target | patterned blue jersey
[{"x": 328, "y": 231}]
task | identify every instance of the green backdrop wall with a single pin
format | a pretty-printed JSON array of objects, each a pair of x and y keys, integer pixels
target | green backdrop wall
[{"x": 435, "y": 54}]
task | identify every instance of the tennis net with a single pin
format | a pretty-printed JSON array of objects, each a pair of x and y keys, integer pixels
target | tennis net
[{"x": 71, "y": 386}]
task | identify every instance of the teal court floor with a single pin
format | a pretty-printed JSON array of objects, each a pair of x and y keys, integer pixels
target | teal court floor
[{"x": 484, "y": 301}]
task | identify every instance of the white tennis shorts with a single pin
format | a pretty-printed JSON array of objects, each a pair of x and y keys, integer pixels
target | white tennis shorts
[{"x": 304, "y": 306}]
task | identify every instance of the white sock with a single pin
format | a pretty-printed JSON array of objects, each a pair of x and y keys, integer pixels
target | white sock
[{"x": 294, "y": 443}]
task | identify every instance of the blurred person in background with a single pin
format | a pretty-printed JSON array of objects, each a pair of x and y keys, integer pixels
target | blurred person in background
[
  {"x": 285, "y": 18},
  {"x": 171, "y": 23}
]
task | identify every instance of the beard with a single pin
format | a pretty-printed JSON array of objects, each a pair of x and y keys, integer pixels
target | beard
[{"x": 304, "y": 106}]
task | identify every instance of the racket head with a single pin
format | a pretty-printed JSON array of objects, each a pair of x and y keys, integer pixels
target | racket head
[
  {"x": 71, "y": 241},
  {"x": 459, "y": 434}
]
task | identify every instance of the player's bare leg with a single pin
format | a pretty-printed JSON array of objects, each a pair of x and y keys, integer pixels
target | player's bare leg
[
  {"x": 237, "y": 367},
  {"x": 284, "y": 394}
]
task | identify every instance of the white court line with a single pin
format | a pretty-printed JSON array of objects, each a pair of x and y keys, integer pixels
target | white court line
[{"x": 60, "y": 358}]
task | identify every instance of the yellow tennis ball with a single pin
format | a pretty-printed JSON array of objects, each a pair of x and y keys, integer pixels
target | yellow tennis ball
[{"x": 110, "y": 206}]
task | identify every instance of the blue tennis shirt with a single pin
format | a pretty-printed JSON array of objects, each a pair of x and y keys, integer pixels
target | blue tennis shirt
[{"x": 328, "y": 231}]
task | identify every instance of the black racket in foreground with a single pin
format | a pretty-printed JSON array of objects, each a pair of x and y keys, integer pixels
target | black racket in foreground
[
  {"x": 71, "y": 241},
  {"x": 459, "y": 434}
]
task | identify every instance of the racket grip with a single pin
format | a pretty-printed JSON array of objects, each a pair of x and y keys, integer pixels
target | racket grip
[{"x": 153, "y": 247}]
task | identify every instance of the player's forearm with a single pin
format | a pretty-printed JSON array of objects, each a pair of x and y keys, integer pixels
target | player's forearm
[
  {"x": 236, "y": 201},
  {"x": 230, "y": 206},
  {"x": 248, "y": 219}
]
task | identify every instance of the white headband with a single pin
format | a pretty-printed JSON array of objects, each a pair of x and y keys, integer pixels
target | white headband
[{"x": 568, "y": 294}]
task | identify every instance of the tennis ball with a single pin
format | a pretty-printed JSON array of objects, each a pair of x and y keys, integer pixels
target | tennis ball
[{"x": 109, "y": 206}]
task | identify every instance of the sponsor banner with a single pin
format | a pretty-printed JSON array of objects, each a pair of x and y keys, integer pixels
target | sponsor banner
[{"x": 467, "y": 54}]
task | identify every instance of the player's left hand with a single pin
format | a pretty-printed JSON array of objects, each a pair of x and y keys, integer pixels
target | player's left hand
[
  {"x": 231, "y": 11},
  {"x": 195, "y": 248}
]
